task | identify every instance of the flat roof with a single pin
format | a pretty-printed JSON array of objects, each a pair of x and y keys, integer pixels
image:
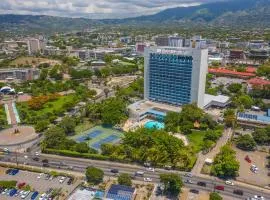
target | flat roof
[{"x": 219, "y": 99}]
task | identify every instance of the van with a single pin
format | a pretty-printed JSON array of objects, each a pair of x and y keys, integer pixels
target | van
[{"x": 139, "y": 173}]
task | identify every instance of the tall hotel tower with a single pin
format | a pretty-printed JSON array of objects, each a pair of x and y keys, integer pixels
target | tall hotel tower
[{"x": 174, "y": 75}]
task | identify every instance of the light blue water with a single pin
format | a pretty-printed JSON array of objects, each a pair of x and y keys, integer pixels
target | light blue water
[{"x": 154, "y": 125}]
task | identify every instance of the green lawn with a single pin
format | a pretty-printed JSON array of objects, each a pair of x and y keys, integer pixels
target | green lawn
[
  {"x": 126, "y": 63},
  {"x": 86, "y": 125},
  {"x": 57, "y": 105},
  {"x": 196, "y": 139}
]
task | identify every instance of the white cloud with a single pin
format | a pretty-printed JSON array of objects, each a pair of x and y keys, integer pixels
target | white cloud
[{"x": 92, "y": 8}]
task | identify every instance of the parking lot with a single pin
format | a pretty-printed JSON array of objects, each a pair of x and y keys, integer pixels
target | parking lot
[
  {"x": 39, "y": 182},
  {"x": 246, "y": 175}
]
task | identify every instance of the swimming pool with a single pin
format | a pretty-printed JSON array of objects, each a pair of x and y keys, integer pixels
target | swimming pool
[{"x": 154, "y": 125}]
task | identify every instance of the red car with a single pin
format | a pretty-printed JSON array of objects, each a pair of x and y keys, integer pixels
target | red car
[
  {"x": 247, "y": 159},
  {"x": 219, "y": 187},
  {"x": 21, "y": 185}
]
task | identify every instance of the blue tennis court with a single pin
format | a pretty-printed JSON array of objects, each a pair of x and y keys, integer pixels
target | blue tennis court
[
  {"x": 109, "y": 139},
  {"x": 91, "y": 135},
  {"x": 99, "y": 135}
]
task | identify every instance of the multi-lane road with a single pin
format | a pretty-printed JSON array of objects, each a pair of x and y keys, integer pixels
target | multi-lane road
[{"x": 79, "y": 165}]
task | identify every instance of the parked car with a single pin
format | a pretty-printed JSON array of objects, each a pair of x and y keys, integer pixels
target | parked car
[
  {"x": 20, "y": 185},
  {"x": 62, "y": 179},
  {"x": 5, "y": 191},
  {"x": 194, "y": 191},
  {"x": 189, "y": 181},
  {"x": 150, "y": 169},
  {"x": 25, "y": 194},
  {"x": 13, "y": 172},
  {"x": 34, "y": 195},
  {"x": 258, "y": 197},
  {"x": 238, "y": 192},
  {"x": 219, "y": 187},
  {"x": 248, "y": 159},
  {"x": 70, "y": 181},
  {"x": 12, "y": 192},
  {"x": 8, "y": 171}
]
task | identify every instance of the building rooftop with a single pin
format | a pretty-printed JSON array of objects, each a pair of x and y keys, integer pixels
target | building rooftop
[
  {"x": 120, "y": 192},
  {"x": 258, "y": 81},
  {"x": 230, "y": 72},
  {"x": 221, "y": 100}
]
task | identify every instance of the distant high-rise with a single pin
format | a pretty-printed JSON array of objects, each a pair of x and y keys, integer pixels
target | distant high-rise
[
  {"x": 162, "y": 41},
  {"x": 175, "y": 41},
  {"x": 35, "y": 46},
  {"x": 175, "y": 75}
]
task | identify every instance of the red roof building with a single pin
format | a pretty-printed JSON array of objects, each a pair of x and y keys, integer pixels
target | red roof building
[
  {"x": 258, "y": 81},
  {"x": 251, "y": 69},
  {"x": 223, "y": 71}
]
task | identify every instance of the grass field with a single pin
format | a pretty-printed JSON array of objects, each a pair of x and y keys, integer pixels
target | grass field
[
  {"x": 33, "y": 61},
  {"x": 126, "y": 63},
  {"x": 196, "y": 139}
]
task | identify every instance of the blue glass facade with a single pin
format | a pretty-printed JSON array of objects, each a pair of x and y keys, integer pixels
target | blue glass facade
[{"x": 170, "y": 78}]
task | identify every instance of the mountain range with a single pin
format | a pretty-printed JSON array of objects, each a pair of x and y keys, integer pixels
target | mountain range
[{"x": 232, "y": 13}]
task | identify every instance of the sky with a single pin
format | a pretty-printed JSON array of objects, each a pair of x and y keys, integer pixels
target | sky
[{"x": 92, "y": 8}]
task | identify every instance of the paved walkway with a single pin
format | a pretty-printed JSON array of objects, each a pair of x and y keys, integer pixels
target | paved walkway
[
  {"x": 11, "y": 113},
  {"x": 201, "y": 157}
]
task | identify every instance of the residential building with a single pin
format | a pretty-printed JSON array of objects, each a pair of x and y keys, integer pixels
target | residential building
[
  {"x": 175, "y": 75},
  {"x": 175, "y": 41},
  {"x": 35, "y": 46},
  {"x": 22, "y": 74}
]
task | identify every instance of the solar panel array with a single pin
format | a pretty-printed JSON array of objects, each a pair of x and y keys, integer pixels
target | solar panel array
[
  {"x": 248, "y": 116},
  {"x": 120, "y": 192}
]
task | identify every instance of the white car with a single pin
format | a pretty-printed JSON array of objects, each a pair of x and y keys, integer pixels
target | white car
[
  {"x": 189, "y": 181},
  {"x": 258, "y": 197},
  {"x": 25, "y": 194},
  {"x": 43, "y": 196},
  {"x": 147, "y": 179},
  {"x": 229, "y": 183},
  {"x": 62, "y": 179},
  {"x": 5, "y": 191},
  {"x": 150, "y": 169},
  {"x": 37, "y": 153},
  {"x": 39, "y": 176}
]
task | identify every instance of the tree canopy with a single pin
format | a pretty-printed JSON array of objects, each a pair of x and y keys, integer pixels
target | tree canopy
[
  {"x": 225, "y": 163},
  {"x": 215, "y": 196},
  {"x": 124, "y": 179},
  {"x": 172, "y": 183},
  {"x": 246, "y": 142},
  {"x": 94, "y": 175}
]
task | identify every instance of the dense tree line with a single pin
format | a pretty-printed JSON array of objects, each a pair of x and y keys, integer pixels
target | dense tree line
[
  {"x": 154, "y": 146},
  {"x": 225, "y": 164}
]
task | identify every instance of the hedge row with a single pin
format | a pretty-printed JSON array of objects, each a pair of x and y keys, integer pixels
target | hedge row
[{"x": 8, "y": 184}]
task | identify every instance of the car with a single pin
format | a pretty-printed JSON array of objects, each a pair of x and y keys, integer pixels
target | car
[
  {"x": 139, "y": 173},
  {"x": 115, "y": 171},
  {"x": 194, "y": 191},
  {"x": 238, "y": 192},
  {"x": 13, "y": 172},
  {"x": 168, "y": 167},
  {"x": 51, "y": 178},
  {"x": 47, "y": 176},
  {"x": 45, "y": 161},
  {"x": 34, "y": 195},
  {"x": 147, "y": 164},
  {"x": 6, "y": 150},
  {"x": 12, "y": 192},
  {"x": 188, "y": 175},
  {"x": 25, "y": 157},
  {"x": 258, "y": 197},
  {"x": 21, "y": 185},
  {"x": 189, "y": 181},
  {"x": 5, "y": 191},
  {"x": 248, "y": 159},
  {"x": 229, "y": 183},
  {"x": 40, "y": 175},
  {"x": 25, "y": 194},
  {"x": 219, "y": 187},
  {"x": 17, "y": 193},
  {"x": 62, "y": 179},
  {"x": 8, "y": 171},
  {"x": 150, "y": 169},
  {"x": 37, "y": 154},
  {"x": 200, "y": 183},
  {"x": 43, "y": 196},
  {"x": 36, "y": 159},
  {"x": 147, "y": 179},
  {"x": 70, "y": 181}
]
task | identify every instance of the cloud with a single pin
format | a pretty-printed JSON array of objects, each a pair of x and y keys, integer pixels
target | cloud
[{"x": 92, "y": 8}]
